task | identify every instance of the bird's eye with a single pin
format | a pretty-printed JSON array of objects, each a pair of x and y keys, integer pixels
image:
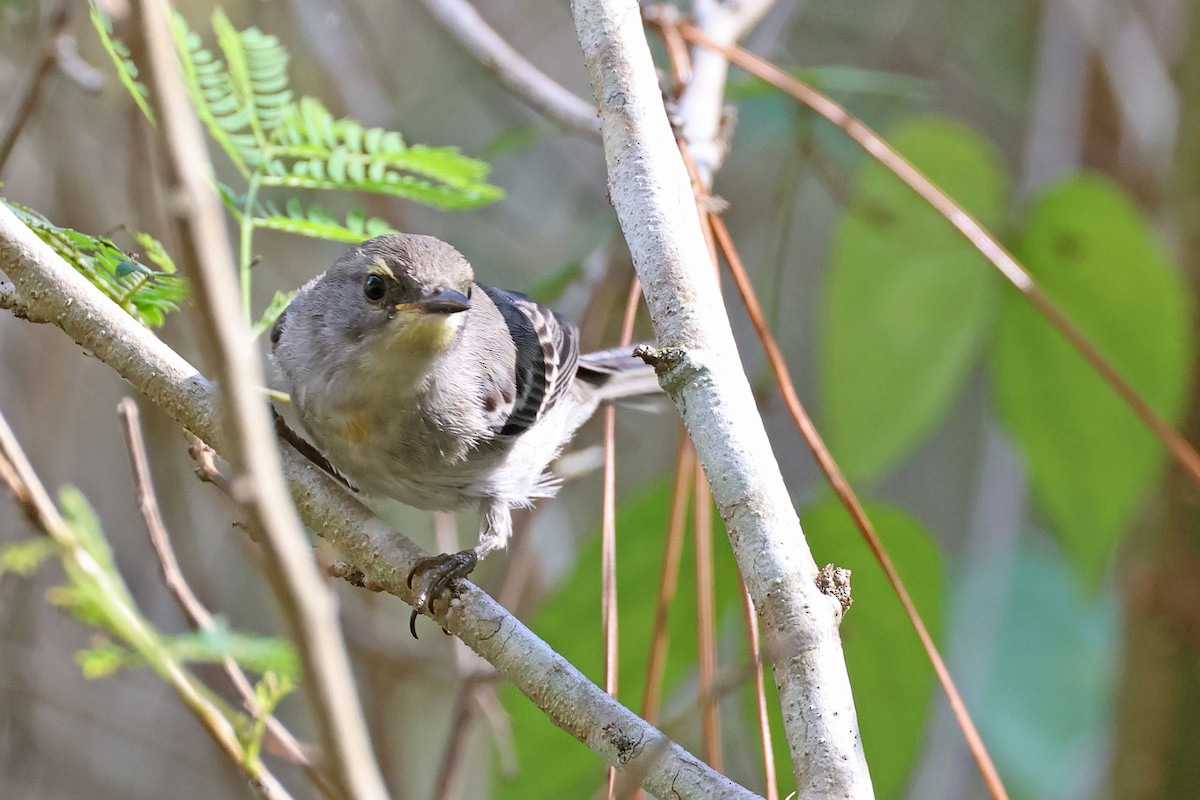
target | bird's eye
[{"x": 374, "y": 288}]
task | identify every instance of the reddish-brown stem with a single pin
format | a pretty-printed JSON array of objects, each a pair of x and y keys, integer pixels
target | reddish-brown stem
[
  {"x": 706, "y": 621},
  {"x": 677, "y": 524},
  {"x": 760, "y": 695},
  {"x": 608, "y": 530},
  {"x": 846, "y": 494},
  {"x": 968, "y": 226}
]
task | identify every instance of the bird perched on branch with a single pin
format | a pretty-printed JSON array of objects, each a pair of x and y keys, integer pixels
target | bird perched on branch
[{"x": 422, "y": 385}]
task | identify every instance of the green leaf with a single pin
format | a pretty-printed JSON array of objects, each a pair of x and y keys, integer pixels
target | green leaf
[
  {"x": 892, "y": 680},
  {"x": 26, "y": 556},
  {"x": 146, "y": 294},
  {"x": 908, "y": 302},
  {"x": 1048, "y": 702},
  {"x": 570, "y": 622},
  {"x": 1089, "y": 458},
  {"x": 103, "y": 660},
  {"x": 118, "y": 51},
  {"x": 312, "y": 150},
  {"x": 261, "y": 654},
  {"x": 315, "y": 222}
]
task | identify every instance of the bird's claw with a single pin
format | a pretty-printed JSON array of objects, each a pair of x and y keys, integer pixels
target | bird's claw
[{"x": 442, "y": 570}]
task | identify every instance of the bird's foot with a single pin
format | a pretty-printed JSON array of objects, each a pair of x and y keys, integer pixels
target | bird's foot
[{"x": 442, "y": 570}]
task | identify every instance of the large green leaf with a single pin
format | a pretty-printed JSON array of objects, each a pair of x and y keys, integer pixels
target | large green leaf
[
  {"x": 1089, "y": 458},
  {"x": 1048, "y": 706},
  {"x": 889, "y": 672},
  {"x": 908, "y": 301},
  {"x": 551, "y": 763}
]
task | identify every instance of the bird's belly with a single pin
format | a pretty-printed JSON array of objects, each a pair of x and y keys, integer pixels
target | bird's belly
[{"x": 388, "y": 453}]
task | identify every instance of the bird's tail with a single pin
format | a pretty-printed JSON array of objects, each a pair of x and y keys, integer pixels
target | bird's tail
[{"x": 617, "y": 373}]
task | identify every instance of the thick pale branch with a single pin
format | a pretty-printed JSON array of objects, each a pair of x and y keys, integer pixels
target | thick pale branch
[
  {"x": 46, "y": 289},
  {"x": 701, "y": 370}
]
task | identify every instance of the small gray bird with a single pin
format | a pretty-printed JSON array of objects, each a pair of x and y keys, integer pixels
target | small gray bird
[{"x": 421, "y": 385}]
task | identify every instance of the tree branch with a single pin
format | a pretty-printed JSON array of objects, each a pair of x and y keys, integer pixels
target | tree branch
[
  {"x": 460, "y": 19},
  {"x": 49, "y": 290},
  {"x": 701, "y": 371},
  {"x": 308, "y": 603},
  {"x": 18, "y": 475}
]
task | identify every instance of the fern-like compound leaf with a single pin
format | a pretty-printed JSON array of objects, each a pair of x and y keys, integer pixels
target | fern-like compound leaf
[{"x": 148, "y": 293}]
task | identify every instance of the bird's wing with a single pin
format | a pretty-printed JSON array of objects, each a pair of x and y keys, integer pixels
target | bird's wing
[{"x": 547, "y": 357}]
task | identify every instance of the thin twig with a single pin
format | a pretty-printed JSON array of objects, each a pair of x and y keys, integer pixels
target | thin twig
[
  {"x": 284, "y": 743},
  {"x": 608, "y": 526},
  {"x": 51, "y": 291},
  {"x": 26, "y": 96},
  {"x": 660, "y": 636},
  {"x": 971, "y": 230},
  {"x": 701, "y": 106},
  {"x": 850, "y": 500},
  {"x": 760, "y": 696},
  {"x": 307, "y": 602},
  {"x": 460, "y": 19},
  {"x": 706, "y": 621},
  {"x": 19, "y": 475},
  {"x": 656, "y": 666}
]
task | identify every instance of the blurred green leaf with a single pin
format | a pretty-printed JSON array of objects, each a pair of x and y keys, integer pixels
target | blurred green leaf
[
  {"x": 908, "y": 302},
  {"x": 1090, "y": 460},
  {"x": 260, "y": 654},
  {"x": 513, "y": 140},
  {"x": 26, "y": 556},
  {"x": 892, "y": 680},
  {"x": 1048, "y": 708},
  {"x": 103, "y": 660},
  {"x": 570, "y": 622}
]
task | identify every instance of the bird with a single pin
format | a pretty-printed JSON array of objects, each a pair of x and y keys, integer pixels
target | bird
[{"x": 419, "y": 384}]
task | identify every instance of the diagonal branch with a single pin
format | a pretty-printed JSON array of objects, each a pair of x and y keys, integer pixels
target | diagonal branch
[
  {"x": 18, "y": 476},
  {"x": 197, "y": 614},
  {"x": 700, "y": 369},
  {"x": 47, "y": 289},
  {"x": 460, "y": 19},
  {"x": 307, "y": 602}
]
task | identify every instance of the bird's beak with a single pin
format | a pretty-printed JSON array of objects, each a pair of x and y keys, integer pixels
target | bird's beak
[{"x": 443, "y": 301}]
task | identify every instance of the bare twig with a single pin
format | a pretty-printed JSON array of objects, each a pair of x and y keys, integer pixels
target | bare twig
[
  {"x": 700, "y": 369},
  {"x": 19, "y": 475},
  {"x": 26, "y": 95},
  {"x": 706, "y": 622},
  {"x": 284, "y": 743},
  {"x": 853, "y": 506},
  {"x": 701, "y": 105},
  {"x": 971, "y": 230},
  {"x": 760, "y": 696},
  {"x": 463, "y": 22},
  {"x": 308, "y": 604},
  {"x": 51, "y": 291},
  {"x": 676, "y": 526}
]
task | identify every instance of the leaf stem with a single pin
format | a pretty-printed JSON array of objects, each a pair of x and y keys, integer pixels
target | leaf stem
[{"x": 246, "y": 234}]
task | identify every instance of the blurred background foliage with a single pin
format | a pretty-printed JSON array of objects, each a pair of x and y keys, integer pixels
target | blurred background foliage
[{"x": 1043, "y": 534}]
